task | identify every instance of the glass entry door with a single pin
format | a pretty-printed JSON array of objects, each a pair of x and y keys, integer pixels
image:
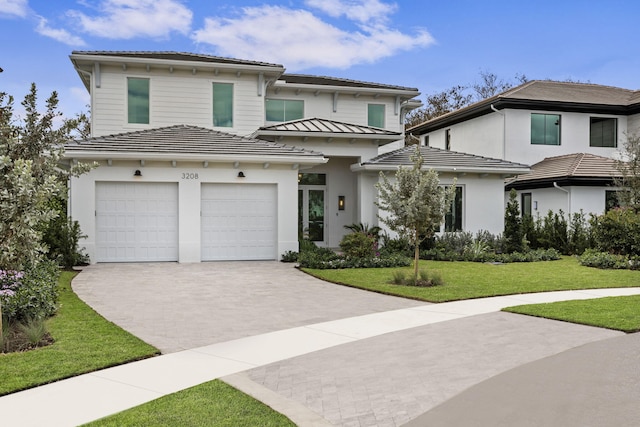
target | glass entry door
[{"x": 311, "y": 212}]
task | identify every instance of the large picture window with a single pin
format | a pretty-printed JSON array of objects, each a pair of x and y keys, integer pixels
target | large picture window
[
  {"x": 545, "y": 129},
  {"x": 375, "y": 115},
  {"x": 137, "y": 100},
  {"x": 453, "y": 218},
  {"x": 603, "y": 132},
  {"x": 223, "y": 105},
  {"x": 284, "y": 110}
]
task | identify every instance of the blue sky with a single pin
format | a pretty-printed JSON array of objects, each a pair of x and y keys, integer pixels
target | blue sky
[{"x": 431, "y": 45}]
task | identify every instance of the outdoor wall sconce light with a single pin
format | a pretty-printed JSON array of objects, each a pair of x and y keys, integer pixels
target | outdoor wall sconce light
[
  {"x": 340, "y": 203},
  {"x": 137, "y": 173},
  {"x": 241, "y": 174}
]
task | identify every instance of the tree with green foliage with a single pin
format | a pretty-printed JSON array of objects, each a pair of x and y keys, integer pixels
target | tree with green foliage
[
  {"x": 415, "y": 201},
  {"x": 513, "y": 224},
  {"x": 31, "y": 151},
  {"x": 629, "y": 168}
]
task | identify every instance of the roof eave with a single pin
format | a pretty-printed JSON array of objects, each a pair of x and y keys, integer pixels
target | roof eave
[
  {"x": 215, "y": 158},
  {"x": 269, "y": 69},
  {"x": 448, "y": 169},
  {"x": 348, "y": 89}
]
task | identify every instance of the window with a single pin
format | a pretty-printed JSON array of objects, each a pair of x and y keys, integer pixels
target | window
[
  {"x": 284, "y": 110},
  {"x": 447, "y": 139},
  {"x": 223, "y": 105},
  {"x": 453, "y": 218},
  {"x": 525, "y": 204},
  {"x": 376, "y": 115},
  {"x": 611, "y": 200},
  {"x": 545, "y": 129},
  {"x": 426, "y": 140},
  {"x": 137, "y": 100},
  {"x": 603, "y": 132}
]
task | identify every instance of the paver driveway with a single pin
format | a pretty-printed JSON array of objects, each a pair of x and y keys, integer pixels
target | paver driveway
[{"x": 182, "y": 306}]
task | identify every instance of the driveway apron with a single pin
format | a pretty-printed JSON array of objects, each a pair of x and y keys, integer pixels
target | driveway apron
[{"x": 181, "y": 306}]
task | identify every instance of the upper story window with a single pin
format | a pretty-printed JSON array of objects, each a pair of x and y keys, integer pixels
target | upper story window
[
  {"x": 375, "y": 115},
  {"x": 223, "y": 104},
  {"x": 284, "y": 110},
  {"x": 603, "y": 132},
  {"x": 137, "y": 100},
  {"x": 545, "y": 129}
]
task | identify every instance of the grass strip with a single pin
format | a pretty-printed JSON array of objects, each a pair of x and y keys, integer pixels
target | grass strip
[
  {"x": 467, "y": 280},
  {"x": 84, "y": 342},
  {"x": 210, "y": 404},
  {"x": 619, "y": 313}
]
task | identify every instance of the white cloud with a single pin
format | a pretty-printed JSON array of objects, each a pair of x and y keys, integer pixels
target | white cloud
[
  {"x": 60, "y": 35},
  {"x": 356, "y": 10},
  {"x": 298, "y": 39},
  {"x": 126, "y": 19},
  {"x": 18, "y": 8}
]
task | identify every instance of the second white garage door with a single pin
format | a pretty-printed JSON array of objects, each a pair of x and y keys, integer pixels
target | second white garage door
[{"x": 239, "y": 222}]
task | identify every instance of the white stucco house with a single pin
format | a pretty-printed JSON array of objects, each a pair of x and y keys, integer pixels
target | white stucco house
[
  {"x": 568, "y": 132},
  {"x": 202, "y": 158}
]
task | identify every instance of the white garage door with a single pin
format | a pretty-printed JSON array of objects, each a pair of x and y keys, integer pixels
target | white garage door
[
  {"x": 136, "y": 221},
  {"x": 239, "y": 222}
]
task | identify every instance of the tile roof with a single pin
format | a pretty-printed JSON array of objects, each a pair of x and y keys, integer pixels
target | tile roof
[
  {"x": 578, "y": 165},
  {"x": 325, "y": 126},
  {"x": 443, "y": 160},
  {"x": 170, "y": 55},
  {"x": 541, "y": 95},
  {"x": 185, "y": 142},
  {"x": 336, "y": 81}
]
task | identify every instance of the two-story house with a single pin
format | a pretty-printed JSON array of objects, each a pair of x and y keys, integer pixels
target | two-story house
[
  {"x": 568, "y": 132},
  {"x": 206, "y": 158}
]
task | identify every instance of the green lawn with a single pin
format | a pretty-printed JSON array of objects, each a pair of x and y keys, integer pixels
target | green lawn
[
  {"x": 84, "y": 342},
  {"x": 619, "y": 313},
  {"x": 465, "y": 280},
  {"x": 211, "y": 404}
]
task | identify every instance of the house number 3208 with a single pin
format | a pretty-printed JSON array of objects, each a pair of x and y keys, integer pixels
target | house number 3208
[{"x": 190, "y": 175}]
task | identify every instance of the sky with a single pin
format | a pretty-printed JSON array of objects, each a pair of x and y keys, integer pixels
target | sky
[{"x": 429, "y": 45}]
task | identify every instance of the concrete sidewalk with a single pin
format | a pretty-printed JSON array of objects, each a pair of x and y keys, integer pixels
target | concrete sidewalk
[{"x": 95, "y": 395}]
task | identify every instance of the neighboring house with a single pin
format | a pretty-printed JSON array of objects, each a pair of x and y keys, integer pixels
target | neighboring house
[
  {"x": 205, "y": 158},
  {"x": 572, "y": 182},
  {"x": 541, "y": 120}
]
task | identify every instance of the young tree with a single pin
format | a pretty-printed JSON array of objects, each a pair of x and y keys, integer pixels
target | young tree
[
  {"x": 30, "y": 175},
  {"x": 513, "y": 224},
  {"x": 415, "y": 201},
  {"x": 629, "y": 169}
]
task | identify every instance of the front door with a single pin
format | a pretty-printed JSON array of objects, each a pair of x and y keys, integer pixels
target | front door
[{"x": 311, "y": 207}]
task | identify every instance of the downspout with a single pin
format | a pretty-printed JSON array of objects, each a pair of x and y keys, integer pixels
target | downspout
[
  {"x": 555, "y": 184},
  {"x": 504, "y": 132}
]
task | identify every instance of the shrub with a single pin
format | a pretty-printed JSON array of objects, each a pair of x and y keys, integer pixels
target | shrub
[
  {"x": 617, "y": 231},
  {"x": 398, "y": 277},
  {"x": 62, "y": 237},
  {"x": 359, "y": 245},
  {"x": 364, "y": 228},
  {"x": 308, "y": 260},
  {"x": 398, "y": 245},
  {"x": 289, "y": 256},
  {"x": 37, "y": 295},
  {"x": 513, "y": 232},
  {"x": 604, "y": 260},
  {"x": 425, "y": 278}
]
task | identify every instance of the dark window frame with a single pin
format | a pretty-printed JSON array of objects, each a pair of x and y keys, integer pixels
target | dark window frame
[
  {"x": 598, "y": 130},
  {"x": 544, "y": 136}
]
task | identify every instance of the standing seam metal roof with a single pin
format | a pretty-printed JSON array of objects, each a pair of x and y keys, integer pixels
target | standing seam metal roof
[{"x": 316, "y": 125}]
